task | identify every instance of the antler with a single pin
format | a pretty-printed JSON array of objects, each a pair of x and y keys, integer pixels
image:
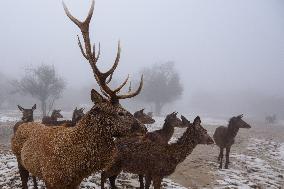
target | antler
[{"x": 90, "y": 55}]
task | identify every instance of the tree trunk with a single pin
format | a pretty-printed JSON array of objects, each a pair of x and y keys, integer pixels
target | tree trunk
[
  {"x": 158, "y": 108},
  {"x": 43, "y": 108}
]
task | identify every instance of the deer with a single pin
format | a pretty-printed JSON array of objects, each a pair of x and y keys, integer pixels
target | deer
[
  {"x": 155, "y": 160},
  {"x": 63, "y": 156},
  {"x": 52, "y": 119},
  {"x": 143, "y": 118},
  {"x": 164, "y": 134},
  {"x": 76, "y": 117},
  {"x": 27, "y": 116},
  {"x": 224, "y": 137}
]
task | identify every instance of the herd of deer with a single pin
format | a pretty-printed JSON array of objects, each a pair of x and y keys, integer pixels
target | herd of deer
[{"x": 107, "y": 138}]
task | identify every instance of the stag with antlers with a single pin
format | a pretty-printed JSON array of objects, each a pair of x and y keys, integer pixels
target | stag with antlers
[{"x": 63, "y": 156}]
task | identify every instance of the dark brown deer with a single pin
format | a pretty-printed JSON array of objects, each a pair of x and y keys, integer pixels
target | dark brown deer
[
  {"x": 143, "y": 118},
  {"x": 164, "y": 134},
  {"x": 63, "y": 156},
  {"x": 224, "y": 137},
  {"x": 52, "y": 119},
  {"x": 155, "y": 160},
  {"x": 76, "y": 117},
  {"x": 27, "y": 116}
]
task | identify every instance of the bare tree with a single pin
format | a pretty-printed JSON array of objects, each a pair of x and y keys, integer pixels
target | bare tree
[
  {"x": 41, "y": 83},
  {"x": 162, "y": 85}
]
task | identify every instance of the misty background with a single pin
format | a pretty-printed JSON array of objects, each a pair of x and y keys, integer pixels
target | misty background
[{"x": 229, "y": 54}]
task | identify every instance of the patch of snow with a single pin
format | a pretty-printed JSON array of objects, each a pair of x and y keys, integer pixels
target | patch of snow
[
  {"x": 10, "y": 178},
  {"x": 261, "y": 167}
]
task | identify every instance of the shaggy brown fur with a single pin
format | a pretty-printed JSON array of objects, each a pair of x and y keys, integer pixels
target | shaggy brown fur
[
  {"x": 52, "y": 120},
  {"x": 143, "y": 118},
  {"x": 225, "y": 137},
  {"x": 155, "y": 160},
  {"x": 28, "y": 116}
]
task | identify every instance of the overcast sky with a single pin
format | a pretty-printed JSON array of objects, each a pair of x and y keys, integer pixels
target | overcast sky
[{"x": 218, "y": 45}]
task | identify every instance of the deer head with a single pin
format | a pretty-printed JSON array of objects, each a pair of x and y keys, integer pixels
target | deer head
[
  {"x": 56, "y": 114},
  {"x": 27, "y": 113},
  {"x": 201, "y": 134},
  {"x": 123, "y": 121},
  {"x": 77, "y": 114},
  {"x": 173, "y": 120},
  {"x": 237, "y": 120},
  {"x": 143, "y": 118}
]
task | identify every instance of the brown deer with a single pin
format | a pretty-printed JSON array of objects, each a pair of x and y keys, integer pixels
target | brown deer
[
  {"x": 27, "y": 116},
  {"x": 143, "y": 118},
  {"x": 164, "y": 135},
  {"x": 224, "y": 137},
  {"x": 52, "y": 119},
  {"x": 76, "y": 117},
  {"x": 153, "y": 159},
  {"x": 63, "y": 156}
]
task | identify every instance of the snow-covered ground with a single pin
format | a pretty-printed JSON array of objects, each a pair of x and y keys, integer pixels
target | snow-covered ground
[
  {"x": 9, "y": 177},
  {"x": 262, "y": 166}
]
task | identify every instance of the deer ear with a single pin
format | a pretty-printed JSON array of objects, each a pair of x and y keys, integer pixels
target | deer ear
[
  {"x": 142, "y": 110},
  {"x": 34, "y": 107},
  {"x": 20, "y": 108},
  {"x": 97, "y": 97}
]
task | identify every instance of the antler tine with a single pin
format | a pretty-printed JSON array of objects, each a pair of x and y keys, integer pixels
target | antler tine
[
  {"x": 81, "y": 48},
  {"x": 94, "y": 52},
  {"x": 129, "y": 89},
  {"x": 130, "y": 95},
  {"x": 109, "y": 72},
  {"x": 82, "y": 25},
  {"x": 122, "y": 85}
]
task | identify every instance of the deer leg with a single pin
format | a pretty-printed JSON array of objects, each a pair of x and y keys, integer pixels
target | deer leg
[
  {"x": 110, "y": 173},
  {"x": 141, "y": 180},
  {"x": 227, "y": 157},
  {"x": 157, "y": 182},
  {"x": 24, "y": 174},
  {"x": 147, "y": 181},
  {"x": 112, "y": 181},
  {"x": 103, "y": 179},
  {"x": 221, "y": 157},
  {"x": 35, "y": 183}
]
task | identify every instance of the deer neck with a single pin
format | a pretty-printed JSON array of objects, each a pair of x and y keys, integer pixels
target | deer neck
[
  {"x": 73, "y": 118},
  {"x": 53, "y": 118},
  {"x": 185, "y": 145},
  {"x": 91, "y": 132},
  {"x": 232, "y": 131},
  {"x": 167, "y": 131}
]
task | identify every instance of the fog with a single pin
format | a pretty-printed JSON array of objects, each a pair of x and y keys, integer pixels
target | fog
[{"x": 230, "y": 54}]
